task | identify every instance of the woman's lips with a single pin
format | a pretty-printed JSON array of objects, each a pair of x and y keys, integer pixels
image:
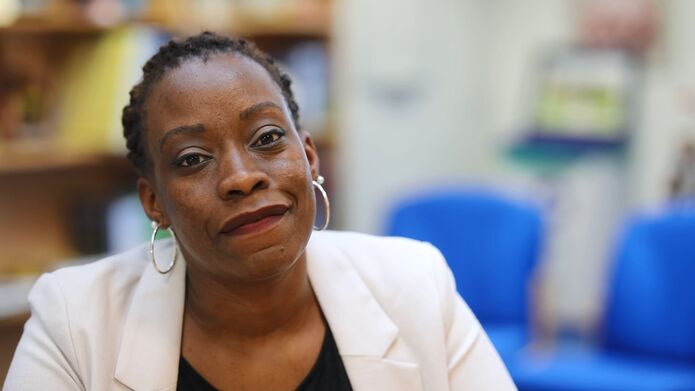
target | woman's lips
[
  {"x": 255, "y": 227},
  {"x": 255, "y": 221}
]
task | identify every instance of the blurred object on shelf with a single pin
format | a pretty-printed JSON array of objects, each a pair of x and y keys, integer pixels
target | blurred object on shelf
[
  {"x": 20, "y": 108},
  {"x": 10, "y": 10},
  {"x": 241, "y": 17},
  {"x": 584, "y": 98},
  {"x": 214, "y": 14},
  {"x": 627, "y": 24},
  {"x": 96, "y": 85},
  {"x": 104, "y": 13},
  {"x": 304, "y": 17},
  {"x": 22, "y": 80},
  {"x": 10, "y": 106},
  {"x": 13, "y": 295},
  {"x": 127, "y": 225},
  {"x": 307, "y": 63},
  {"x": 683, "y": 184},
  {"x": 270, "y": 11}
]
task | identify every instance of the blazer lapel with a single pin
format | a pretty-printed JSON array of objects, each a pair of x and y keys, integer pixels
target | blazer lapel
[
  {"x": 374, "y": 356},
  {"x": 368, "y": 340},
  {"x": 151, "y": 343}
]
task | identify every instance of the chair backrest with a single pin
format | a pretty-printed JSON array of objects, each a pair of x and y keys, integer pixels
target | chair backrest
[
  {"x": 651, "y": 301},
  {"x": 490, "y": 241}
]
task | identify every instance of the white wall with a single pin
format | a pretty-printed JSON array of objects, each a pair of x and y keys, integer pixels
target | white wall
[{"x": 408, "y": 85}]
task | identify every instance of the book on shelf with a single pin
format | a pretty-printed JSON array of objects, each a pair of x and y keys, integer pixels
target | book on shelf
[{"x": 97, "y": 81}]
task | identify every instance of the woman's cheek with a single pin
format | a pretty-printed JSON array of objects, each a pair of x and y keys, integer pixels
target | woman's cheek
[
  {"x": 298, "y": 179},
  {"x": 294, "y": 165},
  {"x": 186, "y": 203}
]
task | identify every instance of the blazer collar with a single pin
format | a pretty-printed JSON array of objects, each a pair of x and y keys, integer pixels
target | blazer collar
[
  {"x": 367, "y": 339},
  {"x": 151, "y": 342}
]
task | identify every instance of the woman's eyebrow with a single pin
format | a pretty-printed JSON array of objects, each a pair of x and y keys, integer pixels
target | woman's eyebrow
[
  {"x": 249, "y": 111},
  {"x": 196, "y": 128}
]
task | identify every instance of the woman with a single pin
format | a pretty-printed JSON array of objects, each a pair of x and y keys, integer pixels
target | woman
[{"x": 253, "y": 300}]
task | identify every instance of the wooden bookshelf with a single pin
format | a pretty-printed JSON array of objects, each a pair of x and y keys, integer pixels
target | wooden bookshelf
[
  {"x": 50, "y": 26},
  {"x": 45, "y": 191},
  {"x": 312, "y": 20},
  {"x": 47, "y": 162}
]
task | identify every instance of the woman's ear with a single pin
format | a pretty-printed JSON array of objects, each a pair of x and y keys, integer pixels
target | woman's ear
[
  {"x": 151, "y": 203},
  {"x": 311, "y": 153}
]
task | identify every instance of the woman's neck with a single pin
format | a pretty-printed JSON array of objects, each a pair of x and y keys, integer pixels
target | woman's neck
[{"x": 231, "y": 308}]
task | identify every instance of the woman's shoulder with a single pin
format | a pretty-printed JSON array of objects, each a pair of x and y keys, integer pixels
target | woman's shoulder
[
  {"x": 91, "y": 290},
  {"x": 386, "y": 249},
  {"x": 79, "y": 316},
  {"x": 385, "y": 261},
  {"x": 355, "y": 243},
  {"x": 112, "y": 273}
]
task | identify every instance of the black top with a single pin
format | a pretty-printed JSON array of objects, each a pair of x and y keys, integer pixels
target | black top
[{"x": 328, "y": 372}]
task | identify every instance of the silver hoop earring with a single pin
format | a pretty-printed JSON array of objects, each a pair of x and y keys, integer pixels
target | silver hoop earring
[
  {"x": 155, "y": 229},
  {"x": 326, "y": 204}
]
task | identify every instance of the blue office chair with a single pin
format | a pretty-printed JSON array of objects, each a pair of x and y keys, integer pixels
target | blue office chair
[
  {"x": 648, "y": 335},
  {"x": 491, "y": 243}
]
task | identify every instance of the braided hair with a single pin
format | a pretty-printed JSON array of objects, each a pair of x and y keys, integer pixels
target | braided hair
[{"x": 169, "y": 57}]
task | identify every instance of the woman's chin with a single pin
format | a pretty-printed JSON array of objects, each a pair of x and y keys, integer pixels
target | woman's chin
[
  {"x": 255, "y": 258},
  {"x": 270, "y": 263},
  {"x": 263, "y": 265}
]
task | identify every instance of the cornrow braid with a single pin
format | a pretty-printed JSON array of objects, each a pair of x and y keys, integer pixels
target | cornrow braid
[{"x": 169, "y": 57}]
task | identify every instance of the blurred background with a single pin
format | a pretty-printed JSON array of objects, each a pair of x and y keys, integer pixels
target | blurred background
[{"x": 546, "y": 146}]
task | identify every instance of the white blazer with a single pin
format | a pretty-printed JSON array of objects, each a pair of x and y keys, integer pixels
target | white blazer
[{"x": 391, "y": 304}]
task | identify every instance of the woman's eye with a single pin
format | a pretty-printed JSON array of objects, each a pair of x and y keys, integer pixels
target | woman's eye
[
  {"x": 191, "y": 159},
  {"x": 269, "y": 137}
]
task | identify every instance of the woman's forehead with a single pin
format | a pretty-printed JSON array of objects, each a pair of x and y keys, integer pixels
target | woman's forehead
[
  {"x": 224, "y": 83},
  {"x": 224, "y": 75}
]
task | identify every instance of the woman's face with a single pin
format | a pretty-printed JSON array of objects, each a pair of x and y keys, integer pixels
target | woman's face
[{"x": 230, "y": 173}]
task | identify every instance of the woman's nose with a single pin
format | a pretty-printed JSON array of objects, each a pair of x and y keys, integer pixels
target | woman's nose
[{"x": 240, "y": 176}]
